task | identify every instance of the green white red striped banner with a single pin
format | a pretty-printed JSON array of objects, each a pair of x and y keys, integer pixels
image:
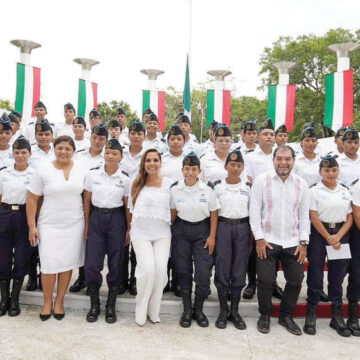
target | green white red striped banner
[
  {"x": 87, "y": 99},
  {"x": 339, "y": 100},
  {"x": 155, "y": 100},
  {"x": 218, "y": 106},
  {"x": 281, "y": 105},
  {"x": 27, "y": 90}
]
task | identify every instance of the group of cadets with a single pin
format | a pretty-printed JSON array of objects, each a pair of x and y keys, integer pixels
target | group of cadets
[{"x": 210, "y": 202}]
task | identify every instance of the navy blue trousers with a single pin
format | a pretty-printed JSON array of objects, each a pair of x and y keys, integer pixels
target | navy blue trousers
[
  {"x": 231, "y": 257},
  {"x": 106, "y": 236},
  {"x": 188, "y": 246},
  {"x": 353, "y": 289},
  {"x": 15, "y": 248},
  {"x": 337, "y": 269}
]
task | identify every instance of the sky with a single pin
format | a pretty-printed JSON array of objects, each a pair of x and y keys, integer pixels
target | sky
[{"x": 127, "y": 36}]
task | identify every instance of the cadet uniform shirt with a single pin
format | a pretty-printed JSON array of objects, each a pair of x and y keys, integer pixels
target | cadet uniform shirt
[
  {"x": 349, "y": 169},
  {"x": 124, "y": 137},
  {"x": 257, "y": 163},
  {"x": 157, "y": 144},
  {"x": 82, "y": 145},
  {"x": 307, "y": 169},
  {"x": 190, "y": 146},
  {"x": 234, "y": 199},
  {"x": 38, "y": 156},
  {"x": 298, "y": 149},
  {"x": 6, "y": 157},
  {"x": 29, "y": 132},
  {"x": 13, "y": 185},
  {"x": 172, "y": 166},
  {"x": 193, "y": 203},
  {"x": 64, "y": 129},
  {"x": 87, "y": 162},
  {"x": 207, "y": 147},
  {"x": 332, "y": 205},
  {"x": 131, "y": 164},
  {"x": 15, "y": 136},
  {"x": 107, "y": 191},
  {"x": 355, "y": 193},
  {"x": 279, "y": 211}
]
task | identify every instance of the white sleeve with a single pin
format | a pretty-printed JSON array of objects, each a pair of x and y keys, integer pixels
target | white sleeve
[
  {"x": 304, "y": 218},
  {"x": 214, "y": 203},
  {"x": 256, "y": 203},
  {"x": 355, "y": 194},
  {"x": 36, "y": 184},
  {"x": 127, "y": 187},
  {"x": 1, "y": 181},
  {"x": 314, "y": 202},
  {"x": 88, "y": 182}
]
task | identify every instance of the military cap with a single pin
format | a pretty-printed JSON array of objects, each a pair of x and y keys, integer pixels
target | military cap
[
  {"x": 152, "y": 117},
  {"x": 100, "y": 130},
  {"x": 40, "y": 104},
  {"x": 249, "y": 126},
  {"x": 21, "y": 143},
  {"x": 268, "y": 124},
  {"x": 191, "y": 160},
  {"x": 281, "y": 130},
  {"x": 79, "y": 120},
  {"x": 136, "y": 126},
  {"x": 147, "y": 111},
  {"x": 17, "y": 114},
  {"x": 222, "y": 130},
  {"x": 183, "y": 119},
  {"x": 114, "y": 123},
  {"x": 5, "y": 122},
  {"x": 69, "y": 106},
  {"x": 328, "y": 161},
  {"x": 308, "y": 132},
  {"x": 350, "y": 134},
  {"x": 213, "y": 124},
  {"x": 14, "y": 119},
  {"x": 93, "y": 113},
  {"x": 43, "y": 125},
  {"x": 114, "y": 144},
  {"x": 340, "y": 132},
  {"x": 309, "y": 124},
  {"x": 120, "y": 111},
  {"x": 175, "y": 130},
  {"x": 234, "y": 155}
]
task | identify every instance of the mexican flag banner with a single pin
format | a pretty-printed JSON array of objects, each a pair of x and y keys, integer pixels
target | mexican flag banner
[
  {"x": 155, "y": 100},
  {"x": 281, "y": 105},
  {"x": 27, "y": 90},
  {"x": 87, "y": 98},
  {"x": 218, "y": 107},
  {"x": 339, "y": 100}
]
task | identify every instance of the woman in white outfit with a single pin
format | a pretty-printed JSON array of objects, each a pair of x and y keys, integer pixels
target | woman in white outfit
[
  {"x": 150, "y": 234},
  {"x": 60, "y": 225}
]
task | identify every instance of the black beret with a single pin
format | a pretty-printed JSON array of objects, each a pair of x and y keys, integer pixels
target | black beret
[
  {"x": 191, "y": 160},
  {"x": 183, "y": 119},
  {"x": 249, "y": 126},
  {"x": 234, "y": 155},
  {"x": 113, "y": 144},
  {"x": 152, "y": 117},
  {"x": 14, "y": 119},
  {"x": 100, "y": 130},
  {"x": 93, "y": 113},
  {"x": 281, "y": 130},
  {"x": 329, "y": 162},
  {"x": 69, "y": 106},
  {"x": 147, "y": 111},
  {"x": 222, "y": 130},
  {"x": 136, "y": 126},
  {"x": 16, "y": 113},
  {"x": 308, "y": 132},
  {"x": 21, "y": 143},
  {"x": 5, "y": 122},
  {"x": 40, "y": 104},
  {"x": 114, "y": 123},
  {"x": 120, "y": 111},
  {"x": 268, "y": 124},
  {"x": 213, "y": 124},
  {"x": 350, "y": 134},
  {"x": 340, "y": 132},
  {"x": 175, "y": 130},
  {"x": 43, "y": 125},
  {"x": 79, "y": 120}
]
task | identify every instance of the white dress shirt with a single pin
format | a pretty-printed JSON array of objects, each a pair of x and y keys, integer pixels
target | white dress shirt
[
  {"x": 82, "y": 145},
  {"x": 38, "y": 156},
  {"x": 349, "y": 169},
  {"x": 257, "y": 163},
  {"x": 172, "y": 166},
  {"x": 87, "y": 161},
  {"x": 279, "y": 211},
  {"x": 157, "y": 144},
  {"x": 29, "y": 132},
  {"x": 355, "y": 193},
  {"x": 192, "y": 145},
  {"x": 64, "y": 129},
  {"x": 307, "y": 169},
  {"x": 131, "y": 164},
  {"x": 6, "y": 157}
]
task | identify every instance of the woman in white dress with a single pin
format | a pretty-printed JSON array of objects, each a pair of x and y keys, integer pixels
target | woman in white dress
[
  {"x": 150, "y": 234},
  {"x": 60, "y": 225}
]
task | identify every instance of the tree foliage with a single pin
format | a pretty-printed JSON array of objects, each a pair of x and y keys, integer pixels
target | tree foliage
[
  {"x": 107, "y": 110},
  {"x": 6, "y": 105}
]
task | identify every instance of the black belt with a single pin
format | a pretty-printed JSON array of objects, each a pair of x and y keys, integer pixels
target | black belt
[
  {"x": 192, "y": 223},
  {"x": 106, "y": 210},
  {"x": 234, "y": 221},
  {"x": 14, "y": 207},
  {"x": 332, "y": 225}
]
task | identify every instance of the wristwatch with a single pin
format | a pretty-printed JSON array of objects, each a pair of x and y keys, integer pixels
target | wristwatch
[{"x": 304, "y": 243}]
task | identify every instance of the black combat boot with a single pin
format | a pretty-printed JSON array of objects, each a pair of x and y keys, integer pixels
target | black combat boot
[
  {"x": 80, "y": 283},
  {"x": 5, "y": 296},
  {"x": 337, "y": 321},
  {"x": 353, "y": 320},
  {"x": 132, "y": 286},
  {"x": 277, "y": 291},
  {"x": 198, "y": 314},
  {"x": 94, "y": 311},
  {"x": 186, "y": 317},
  {"x": 14, "y": 309},
  {"x": 249, "y": 291},
  {"x": 32, "y": 282},
  {"x": 310, "y": 322},
  {"x": 234, "y": 315},
  {"x": 110, "y": 314},
  {"x": 221, "y": 320}
]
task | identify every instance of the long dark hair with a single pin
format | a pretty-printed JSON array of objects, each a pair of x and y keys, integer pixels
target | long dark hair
[{"x": 141, "y": 178}]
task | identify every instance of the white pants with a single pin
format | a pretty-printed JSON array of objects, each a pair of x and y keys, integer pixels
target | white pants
[{"x": 151, "y": 277}]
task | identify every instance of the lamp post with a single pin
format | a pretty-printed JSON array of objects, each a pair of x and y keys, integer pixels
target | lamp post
[
  {"x": 26, "y": 46},
  {"x": 284, "y": 68},
  {"x": 152, "y": 75},
  {"x": 86, "y": 65},
  {"x": 219, "y": 76},
  {"x": 343, "y": 51}
]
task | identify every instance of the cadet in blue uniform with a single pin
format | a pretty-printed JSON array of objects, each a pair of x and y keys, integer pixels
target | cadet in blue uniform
[
  {"x": 232, "y": 240},
  {"x": 194, "y": 217},
  {"x": 107, "y": 190},
  {"x": 330, "y": 214},
  {"x": 14, "y": 232}
]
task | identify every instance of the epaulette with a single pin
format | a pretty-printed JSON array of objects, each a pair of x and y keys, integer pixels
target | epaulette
[
  {"x": 31, "y": 123},
  {"x": 52, "y": 124},
  {"x": 354, "y": 182},
  {"x": 217, "y": 182},
  {"x": 238, "y": 148},
  {"x": 33, "y": 144},
  {"x": 248, "y": 183},
  {"x": 196, "y": 140},
  {"x": 125, "y": 173},
  {"x": 210, "y": 184},
  {"x": 312, "y": 185},
  {"x": 77, "y": 151},
  {"x": 201, "y": 156},
  {"x": 248, "y": 151},
  {"x": 95, "y": 168},
  {"x": 174, "y": 184},
  {"x": 4, "y": 167},
  {"x": 344, "y": 186},
  {"x": 163, "y": 140}
]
